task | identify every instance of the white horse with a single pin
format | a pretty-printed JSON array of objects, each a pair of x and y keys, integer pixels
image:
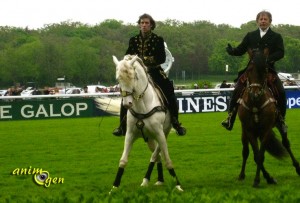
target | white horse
[{"x": 147, "y": 118}]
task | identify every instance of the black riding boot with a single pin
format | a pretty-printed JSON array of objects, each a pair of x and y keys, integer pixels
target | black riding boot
[
  {"x": 166, "y": 86},
  {"x": 121, "y": 130},
  {"x": 229, "y": 121},
  {"x": 174, "y": 116},
  {"x": 281, "y": 105},
  {"x": 232, "y": 111}
]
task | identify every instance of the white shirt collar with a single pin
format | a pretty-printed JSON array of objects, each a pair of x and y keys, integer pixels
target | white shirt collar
[{"x": 263, "y": 32}]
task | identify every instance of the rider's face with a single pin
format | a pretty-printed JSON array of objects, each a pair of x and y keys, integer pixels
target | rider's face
[
  {"x": 263, "y": 21},
  {"x": 145, "y": 25}
]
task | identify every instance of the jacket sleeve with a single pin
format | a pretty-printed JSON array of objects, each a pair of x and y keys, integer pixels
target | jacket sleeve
[
  {"x": 160, "y": 54},
  {"x": 130, "y": 49},
  {"x": 242, "y": 48},
  {"x": 277, "y": 50}
]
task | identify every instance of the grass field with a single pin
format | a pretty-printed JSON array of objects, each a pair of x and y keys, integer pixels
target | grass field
[{"x": 85, "y": 154}]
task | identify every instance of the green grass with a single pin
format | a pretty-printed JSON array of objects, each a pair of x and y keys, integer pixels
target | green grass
[{"x": 85, "y": 153}]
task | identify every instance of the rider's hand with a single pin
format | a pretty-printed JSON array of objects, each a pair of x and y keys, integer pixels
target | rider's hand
[{"x": 229, "y": 49}]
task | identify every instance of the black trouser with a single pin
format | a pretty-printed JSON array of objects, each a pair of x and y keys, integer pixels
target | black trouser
[
  {"x": 162, "y": 81},
  {"x": 278, "y": 91}
]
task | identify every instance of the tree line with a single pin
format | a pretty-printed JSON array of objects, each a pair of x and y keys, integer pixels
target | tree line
[{"x": 83, "y": 54}]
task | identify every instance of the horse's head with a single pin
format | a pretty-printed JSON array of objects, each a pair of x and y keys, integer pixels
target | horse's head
[
  {"x": 130, "y": 72},
  {"x": 257, "y": 72}
]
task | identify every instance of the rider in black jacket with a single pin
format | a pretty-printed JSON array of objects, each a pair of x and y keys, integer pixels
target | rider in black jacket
[
  {"x": 261, "y": 38},
  {"x": 151, "y": 49}
]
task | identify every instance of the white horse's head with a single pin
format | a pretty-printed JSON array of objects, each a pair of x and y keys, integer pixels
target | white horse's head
[{"x": 127, "y": 76}]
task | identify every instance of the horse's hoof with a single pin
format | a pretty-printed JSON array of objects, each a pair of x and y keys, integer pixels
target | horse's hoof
[
  {"x": 298, "y": 170},
  {"x": 145, "y": 182},
  {"x": 241, "y": 177},
  {"x": 159, "y": 183},
  {"x": 255, "y": 185},
  {"x": 178, "y": 187},
  {"x": 113, "y": 189},
  {"x": 272, "y": 181}
]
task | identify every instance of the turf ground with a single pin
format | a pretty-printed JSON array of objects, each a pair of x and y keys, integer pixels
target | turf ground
[{"x": 85, "y": 154}]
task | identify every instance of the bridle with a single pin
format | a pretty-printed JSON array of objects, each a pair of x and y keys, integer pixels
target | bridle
[
  {"x": 132, "y": 93},
  {"x": 256, "y": 95}
]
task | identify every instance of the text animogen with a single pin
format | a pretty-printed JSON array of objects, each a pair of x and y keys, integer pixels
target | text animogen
[{"x": 40, "y": 176}]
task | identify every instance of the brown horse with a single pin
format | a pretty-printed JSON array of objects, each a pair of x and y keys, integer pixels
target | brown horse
[{"x": 258, "y": 113}]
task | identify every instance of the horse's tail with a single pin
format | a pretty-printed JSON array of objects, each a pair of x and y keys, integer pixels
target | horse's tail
[{"x": 275, "y": 147}]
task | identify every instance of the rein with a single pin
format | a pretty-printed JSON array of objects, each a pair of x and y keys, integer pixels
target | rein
[{"x": 126, "y": 94}]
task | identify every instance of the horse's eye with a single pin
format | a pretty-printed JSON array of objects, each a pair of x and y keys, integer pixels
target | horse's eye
[{"x": 123, "y": 93}]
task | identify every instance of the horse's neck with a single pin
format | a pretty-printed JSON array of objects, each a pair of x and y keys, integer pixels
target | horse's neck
[
  {"x": 256, "y": 77},
  {"x": 146, "y": 87}
]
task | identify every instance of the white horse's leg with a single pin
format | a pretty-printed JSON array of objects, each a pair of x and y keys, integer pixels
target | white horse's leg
[
  {"x": 162, "y": 141},
  {"x": 129, "y": 139},
  {"x": 151, "y": 145},
  {"x": 155, "y": 157}
]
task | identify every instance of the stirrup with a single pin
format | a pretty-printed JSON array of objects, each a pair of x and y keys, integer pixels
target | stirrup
[{"x": 227, "y": 123}]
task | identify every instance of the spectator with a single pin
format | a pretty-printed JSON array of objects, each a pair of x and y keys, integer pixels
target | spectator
[{"x": 224, "y": 84}]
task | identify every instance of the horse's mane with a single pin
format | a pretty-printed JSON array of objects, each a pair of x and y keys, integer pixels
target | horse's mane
[
  {"x": 258, "y": 59},
  {"x": 126, "y": 71}
]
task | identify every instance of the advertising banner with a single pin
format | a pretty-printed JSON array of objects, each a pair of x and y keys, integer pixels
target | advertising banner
[{"x": 25, "y": 109}]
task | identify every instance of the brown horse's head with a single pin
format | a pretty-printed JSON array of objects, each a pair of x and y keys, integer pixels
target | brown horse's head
[{"x": 257, "y": 69}]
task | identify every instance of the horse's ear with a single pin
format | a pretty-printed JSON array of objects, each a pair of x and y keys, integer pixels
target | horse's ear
[
  {"x": 133, "y": 59},
  {"x": 115, "y": 60}
]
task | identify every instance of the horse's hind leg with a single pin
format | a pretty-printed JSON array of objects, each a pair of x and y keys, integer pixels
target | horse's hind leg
[
  {"x": 270, "y": 180},
  {"x": 164, "y": 149},
  {"x": 286, "y": 144},
  {"x": 160, "y": 178},
  {"x": 154, "y": 158},
  {"x": 260, "y": 165}
]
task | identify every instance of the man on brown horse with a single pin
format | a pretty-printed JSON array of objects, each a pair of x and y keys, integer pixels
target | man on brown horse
[{"x": 261, "y": 38}]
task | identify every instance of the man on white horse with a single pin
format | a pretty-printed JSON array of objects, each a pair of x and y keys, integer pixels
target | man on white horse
[{"x": 150, "y": 48}]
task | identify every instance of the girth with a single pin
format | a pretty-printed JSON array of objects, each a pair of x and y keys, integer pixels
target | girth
[{"x": 140, "y": 123}]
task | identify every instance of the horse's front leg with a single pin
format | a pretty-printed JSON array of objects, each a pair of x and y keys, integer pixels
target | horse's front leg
[
  {"x": 129, "y": 140},
  {"x": 256, "y": 152},
  {"x": 245, "y": 154},
  {"x": 270, "y": 180}
]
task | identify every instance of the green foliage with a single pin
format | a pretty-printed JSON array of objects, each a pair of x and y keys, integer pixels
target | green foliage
[
  {"x": 83, "y": 53},
  {"x": 85, "y": 153}
]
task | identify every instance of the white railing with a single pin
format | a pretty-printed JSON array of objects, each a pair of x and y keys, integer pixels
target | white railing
[{"x": 183, "y": 91}]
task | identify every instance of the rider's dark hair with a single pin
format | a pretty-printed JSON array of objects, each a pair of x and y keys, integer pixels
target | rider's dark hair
[
  {"x": 264, "y": 13},
  {"x": 152, "y": 21}
]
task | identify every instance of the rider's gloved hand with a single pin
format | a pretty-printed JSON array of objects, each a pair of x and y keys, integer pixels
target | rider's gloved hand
[{"x": 229, "y": 49}]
